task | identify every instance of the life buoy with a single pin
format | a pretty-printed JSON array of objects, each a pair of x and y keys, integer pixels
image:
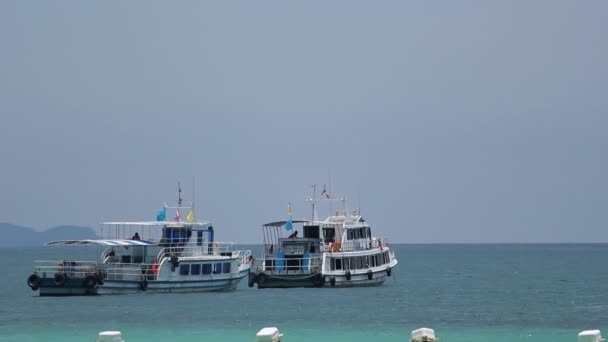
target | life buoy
[
  {"x": 348, "y": 276},
  {"x": 155, "y": 269},
  {"x": 60, "y": 279},
  {"x": 33, "y": 281},
  {"x": 332, "y": 281},
  {"x": 89, "y": 282},
  {"x": 370, "y": 275},
  {"x": 388, "y": 271}
]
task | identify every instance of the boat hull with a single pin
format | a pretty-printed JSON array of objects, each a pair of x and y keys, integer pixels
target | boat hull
[
  {"x": 75, "y": 286},
  {"x": 266, "y": 279},
  {"x": 358, "y": 278}
]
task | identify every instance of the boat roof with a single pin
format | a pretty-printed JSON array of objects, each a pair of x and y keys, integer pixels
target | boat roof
[
  {"x": 159, "y": 223},
  {"x": 282, "y": 223},
  {"x": 104, "y": 242}
]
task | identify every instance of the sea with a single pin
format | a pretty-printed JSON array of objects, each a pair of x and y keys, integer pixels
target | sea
[{"x": 465, "y": 292}]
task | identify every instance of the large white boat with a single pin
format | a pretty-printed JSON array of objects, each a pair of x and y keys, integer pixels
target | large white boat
[
  {"x": 338, "y": 251},
  {"x": 168, "y": 256}
]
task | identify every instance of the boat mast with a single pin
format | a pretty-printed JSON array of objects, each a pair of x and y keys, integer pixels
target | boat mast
[
  {"x": 314, "y": 197},
  {"x": 179, "y": 200},
  {"x": 193, "y": 213}
]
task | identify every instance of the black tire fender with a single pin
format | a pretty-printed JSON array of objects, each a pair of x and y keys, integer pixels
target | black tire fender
[
  {"x": 60, "y": 279},
  {"x": 89, "y": 282},
  {"x": 317, "y": 280},
  {"x": 174, "y": 260},
  {"x": 33, "y": 281},
  {"x": 143, "y": 284}
]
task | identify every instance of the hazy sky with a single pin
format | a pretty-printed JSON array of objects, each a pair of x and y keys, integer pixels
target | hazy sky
[{"x": 449, "y": 121}]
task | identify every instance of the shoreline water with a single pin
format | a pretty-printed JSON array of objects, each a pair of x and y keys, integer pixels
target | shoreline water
[{"x": 490, "y": 293}]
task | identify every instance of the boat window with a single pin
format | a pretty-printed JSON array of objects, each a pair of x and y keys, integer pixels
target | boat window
[
  {"x": 365, "y": 262},
  {"x": 372, "y": 261},
  {"x": 226, "y": 267},
  {"x": 199, "y": 238},
  {"x": 339, "y": 263},
  {"x": 195, "y": 269},
  {"x": 206, "y": 268},
  {"x": 184, "y": 269},
  {"x": 332, "y": 264},
  {"x": 369, "y": 232},
  {"x": 329, "y": 234},
  {"x": 217, "y": 268},
  {"x": 346, "y": 264},
  {"x": 311, "y": 232}
]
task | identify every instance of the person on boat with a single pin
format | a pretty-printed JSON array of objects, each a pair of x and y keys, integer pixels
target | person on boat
[
  {"x": 136, "y": 236},
  {"x": 293, "y": 235}
]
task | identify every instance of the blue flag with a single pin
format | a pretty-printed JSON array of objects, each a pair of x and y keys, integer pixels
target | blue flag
[
  {"x": 162, "y": 214},
  {"x": 289, "y": 224}
]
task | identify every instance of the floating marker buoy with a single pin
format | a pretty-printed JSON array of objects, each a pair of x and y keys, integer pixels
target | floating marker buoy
[
  {"x": 423, "y": 335},
  {"x": 269, "y": 334},
  {"x": 110, "y": 336},
  {"x": 590, "y": 336}
]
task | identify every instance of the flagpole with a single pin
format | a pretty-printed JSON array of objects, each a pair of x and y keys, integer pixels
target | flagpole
[{"x": 193, "y": 211}]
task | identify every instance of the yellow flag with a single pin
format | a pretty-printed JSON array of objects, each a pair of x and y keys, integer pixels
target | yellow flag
[{"x": 190, "y": 216}]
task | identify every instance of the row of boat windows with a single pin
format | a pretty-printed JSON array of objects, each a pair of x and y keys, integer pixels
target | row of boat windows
[
  {"x": 359, "y": 262},
  {"x": 198, "y": 269},
  {"x": 359, "y": 233}
]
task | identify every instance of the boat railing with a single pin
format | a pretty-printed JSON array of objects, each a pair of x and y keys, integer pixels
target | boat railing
[
  {"x": 216, "y": 248},
  {"x": 132, "y": 272},
  {"x": 355, "y": 245},
  {"x": 244, "y": 256},
  {"x": 71, "y": 268},
  {"x": 304, "y": 265}
]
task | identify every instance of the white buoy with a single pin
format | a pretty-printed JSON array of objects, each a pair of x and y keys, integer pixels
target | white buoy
[
  {"x": 423, "y": 335},
  {"x": 590, "y": 336},
  {"x": 110, "y": 336},
  {"x": 269, "y": 334}
]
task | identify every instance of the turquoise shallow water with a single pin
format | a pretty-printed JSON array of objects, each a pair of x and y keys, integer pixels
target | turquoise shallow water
[{"x": 465, "y": 292}]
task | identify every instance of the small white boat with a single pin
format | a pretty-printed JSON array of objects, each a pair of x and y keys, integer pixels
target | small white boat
[
  {"x": 336, "y": 252},
  {"x": 169, "y": 256}
]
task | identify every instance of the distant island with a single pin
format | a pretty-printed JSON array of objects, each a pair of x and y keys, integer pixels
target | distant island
[{"x": 19, "y": 236}]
